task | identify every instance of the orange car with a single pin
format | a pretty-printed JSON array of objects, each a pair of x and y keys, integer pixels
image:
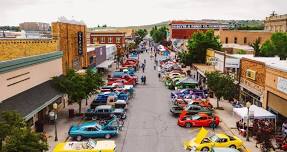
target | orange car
[{"x": 184, "y": 102}]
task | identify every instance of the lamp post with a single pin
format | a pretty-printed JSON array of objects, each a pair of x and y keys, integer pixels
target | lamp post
[
  {"x": 55, "y": 107},
  {"x": 248, "y": 104}
]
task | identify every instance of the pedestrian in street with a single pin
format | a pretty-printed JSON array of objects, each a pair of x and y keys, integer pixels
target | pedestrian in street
[
  {"x": 143, "y": 67},
  {"x": 154, "y": 67},
  {"x": 144, "y": 80},
  {"x": 213, "y": 123},
  {"x": 144, "y": 61},
  {"x": 159, "y": 75}
]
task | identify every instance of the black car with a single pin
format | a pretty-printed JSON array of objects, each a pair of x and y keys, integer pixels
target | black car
[{"x": 105, "y": 112}]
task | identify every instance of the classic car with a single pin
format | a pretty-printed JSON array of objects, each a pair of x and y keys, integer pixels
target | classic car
[
  {"x": 91, "y": 130},
  {"x": 101, "y": 99},
  {"x": 201, "y": 143},
  {"x": 189, "y": 93},
  {"x": 105, "y": 112},
  {"x": 197, "y": 120},
  {"x": 184, "y": 102},
  {"x": 191, "y": 110},
  {"x": 121, "y": 104},
  {"x": 86, "y": 146}
]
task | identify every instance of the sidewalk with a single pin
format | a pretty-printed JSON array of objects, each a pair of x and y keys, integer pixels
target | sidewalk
[
  {"x": 63, "y": 124},
  {"x": 229, "y": 122}
]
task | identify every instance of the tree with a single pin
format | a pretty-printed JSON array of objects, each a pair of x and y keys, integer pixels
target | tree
[
  {"x": 199, "y": 43},
  {"x": 256, "y": 46},
  {"x": 73, "y": 85},
  {"x": 277, "y": 45},
  {"x": 159, "y": 35},
  {"x": 140, "y": 34},
  {"x": 131, "y": 46},
  {"x": 222, "y": 85},
  {"x": 92, "y": 82},
  {"x": 17, "y": 136}
]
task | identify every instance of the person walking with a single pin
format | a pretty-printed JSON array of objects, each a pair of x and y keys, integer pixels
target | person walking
[
  {"x": 213, "y": 123},
  {"x": 144, "y": 79},
  {"x": 143, "y": 67}
]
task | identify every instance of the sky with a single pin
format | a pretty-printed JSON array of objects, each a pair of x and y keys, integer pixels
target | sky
[{"x": 135, "y": 12}]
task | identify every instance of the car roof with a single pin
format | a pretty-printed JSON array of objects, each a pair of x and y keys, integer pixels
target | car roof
[
  {"x": 224, "y": 150},
  {"x": 222, "y": 135},
  {"x": 104, "y": 107}
]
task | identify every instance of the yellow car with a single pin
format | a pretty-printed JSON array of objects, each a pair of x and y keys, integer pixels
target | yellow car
[
  {"x": 86, "y": 146},
  {"x": 200, "y": 143}
]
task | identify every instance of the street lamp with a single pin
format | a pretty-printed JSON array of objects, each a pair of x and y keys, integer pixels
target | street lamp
[
  {"x": 55, "y": 107},
  {"x": 248, "y": 104}
]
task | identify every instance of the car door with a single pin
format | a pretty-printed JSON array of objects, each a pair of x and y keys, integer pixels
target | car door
[
  {"x": 203, "y": 121},
  {"x": 91, "y": 132}
]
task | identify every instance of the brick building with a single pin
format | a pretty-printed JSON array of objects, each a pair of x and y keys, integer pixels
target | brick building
[
  {"x": 72, "y": 41},
  {"x": 34, "y": 26},
  {"x": 109, "y": 37},
  {"x": 242, "y": 37},
  {"x": 276, "y": 23},
  {"x": 252, "y": 78},
  {"x": 185, "y": 29}
]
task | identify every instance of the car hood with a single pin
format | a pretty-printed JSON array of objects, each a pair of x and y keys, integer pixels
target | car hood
[{"x": 200, "y": 136}]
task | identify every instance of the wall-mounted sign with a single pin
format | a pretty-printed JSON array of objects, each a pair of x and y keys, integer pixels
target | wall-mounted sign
[
  {"x": 232, "y": 63},
  {"x": 200, "y": 26},
  {"x": 282, "y": 84},
  {"x": 80, "y": 43},
  {"x": 251, "y": 74}
]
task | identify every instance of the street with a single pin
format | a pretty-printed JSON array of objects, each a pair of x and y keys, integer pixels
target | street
[{"x": 150, "y": 125}]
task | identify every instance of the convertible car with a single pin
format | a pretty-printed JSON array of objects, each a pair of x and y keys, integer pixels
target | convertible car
[
  {"x": 92, "y": 130},
  {"x": 203, "y": 144},
  {"x": 86, "y": 146},
  {"x": 198, "y": 120}
]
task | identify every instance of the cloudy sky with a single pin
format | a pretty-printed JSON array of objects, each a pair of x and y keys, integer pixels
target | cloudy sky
[{"x": 135, "y": 12}]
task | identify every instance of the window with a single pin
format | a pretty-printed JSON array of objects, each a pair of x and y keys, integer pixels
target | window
[
  {"x": 91, "y": 59},
  {"x": 118, "y": 40},
  {"x": 245, "y": 40},
  {"x": 226, "y": 40},
  {"x": 102, "y": 39},
  {"x": 235, "y": 40},
  {"x": 259, "y": 39},
  {"x": 110, "y": 40}
]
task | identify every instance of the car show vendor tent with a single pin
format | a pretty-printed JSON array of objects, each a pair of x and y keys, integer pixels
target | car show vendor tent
[{"x": 255, "y": 112}]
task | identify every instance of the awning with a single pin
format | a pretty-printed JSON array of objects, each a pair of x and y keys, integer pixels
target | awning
[
  {"x": 254, "y": 112},
  {"x": 106, "y": 64},
  {"x": 32, "y": 101},
  {"x": 187, "y": 80}
]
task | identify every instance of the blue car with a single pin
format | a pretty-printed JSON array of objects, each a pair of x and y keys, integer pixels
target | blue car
[
  {"x": 101, "y": 99},
  {"x": 92, "y": 130}
]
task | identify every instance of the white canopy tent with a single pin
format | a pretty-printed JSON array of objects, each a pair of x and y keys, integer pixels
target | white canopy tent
[{"x": 254, "y": 112}]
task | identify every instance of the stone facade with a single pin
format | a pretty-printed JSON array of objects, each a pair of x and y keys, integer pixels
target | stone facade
[
  {"x": 242, "y": 37},
  {"x": 276, "y": 23},
  {"x": 67, "y": 35},
  {"x": 17, "y": 48}
]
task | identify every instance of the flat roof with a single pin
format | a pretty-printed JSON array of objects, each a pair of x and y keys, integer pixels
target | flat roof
[
  {"x": 238, "y": 46},
  {"x": 279, "y": 65},
  {"x": 265, "y": 60},
  {"x": 239, "y": 56}
]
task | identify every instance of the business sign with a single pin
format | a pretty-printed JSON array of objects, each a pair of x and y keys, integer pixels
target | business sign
[
  {"x": 80, "y": 43},
  {"x": 200, "y": 26},
  {"x": 282, "y": 84},
  {"x": 232, "y": 63},
  {"x": 219, "y": 64}
]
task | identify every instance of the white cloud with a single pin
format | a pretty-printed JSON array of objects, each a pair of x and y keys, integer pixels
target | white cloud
[{"x": 135, "y": 12}]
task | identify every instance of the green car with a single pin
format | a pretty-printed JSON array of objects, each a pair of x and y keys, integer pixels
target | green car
[{"x": 191, "y": 110}]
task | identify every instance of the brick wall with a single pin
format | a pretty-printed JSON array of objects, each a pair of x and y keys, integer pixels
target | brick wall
[
  {"x": 259, "y": 67},
  {"x": 16, "y": 48}
]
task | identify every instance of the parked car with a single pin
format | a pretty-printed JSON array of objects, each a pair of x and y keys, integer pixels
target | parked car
[
  {"x": 121, "y": 104},
  {"x": 190, "y": 109},
  {"x": 101, "y": 99},
  {"x": 184, "y": 102},
  {"x": 86, "y": 146},
  {"x": 197, "y": 120},
  {"x": 201, "y": 143},
  {"x": 105, "y": 112},
  {"x": 91, "y": 130}
]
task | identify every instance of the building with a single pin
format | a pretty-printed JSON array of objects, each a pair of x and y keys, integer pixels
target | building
[
  {"x": 109, "y": 37},
  {"x": 17, "y": 48},
  {"x": 276, "y": 23},
  {"x": 34, "y": 26},
  {"x": 185, "y": 29},
  {"x": 198, "y": 72},
  {"x": 71, "y": 40},
  {"x": 26, "y": 85},
  {"x": 242, "y": 37},
  {"x": 232, "y": 48},
  {"x": 252, "y": 78},
  {"x": 276, "y": 89},
  {"x": 96, "y": 55}
]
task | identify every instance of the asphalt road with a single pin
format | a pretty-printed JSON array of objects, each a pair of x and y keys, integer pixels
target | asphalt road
[{"x": 150, "y": 127}]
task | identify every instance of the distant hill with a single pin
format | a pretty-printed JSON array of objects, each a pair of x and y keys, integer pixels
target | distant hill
[{"x": 257, "y": 24}]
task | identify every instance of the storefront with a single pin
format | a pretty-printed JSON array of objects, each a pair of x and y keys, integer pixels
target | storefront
[
  {"x": 276, "y": 89},
  {"x": 201, "y": 70}
]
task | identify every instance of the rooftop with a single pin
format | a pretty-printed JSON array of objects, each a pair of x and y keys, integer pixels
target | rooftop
[
  {"x": 279, "y": 65},
  {"x": 266, "y": 60},
  {"x": 238, "y": 46},
  {"x": 239, "y": 56}
]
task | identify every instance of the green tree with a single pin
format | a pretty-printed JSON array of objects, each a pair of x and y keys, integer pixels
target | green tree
[
  {"x": 159, "y": 35},
  {"x": 199, "y": 43},
  {"x": 277, "y": 45},
  {"x": 92, "y": 82},
  {"x": 140, "y": 34},
  {"x": 222, "y": 85},
  {"x": 256, "y": 46},
  {"x": 17, "y": 136},
  {"x": 73, "y": 85}
]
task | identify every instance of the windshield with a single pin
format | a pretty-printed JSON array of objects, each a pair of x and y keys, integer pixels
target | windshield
[
  {"x": 195, "y": 117},
  {"x": 214, "y": 138},
  {"x": 92, "y": 143}
]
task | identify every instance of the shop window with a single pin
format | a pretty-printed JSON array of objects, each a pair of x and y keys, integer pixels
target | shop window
[
  {"x": 110, "y": 40},
  {"x": 245, "y": 40},
  {"x": 226, "y": 40},
  {"x": 235, "y": 40},
  {"x": 118, "y": 40},
  {"x": 102, "y": 39}
]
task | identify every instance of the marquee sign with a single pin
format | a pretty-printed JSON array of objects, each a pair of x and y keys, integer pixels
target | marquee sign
[
  {"x": 199, "y": 26},
  {"x": 80, "y": 43}
]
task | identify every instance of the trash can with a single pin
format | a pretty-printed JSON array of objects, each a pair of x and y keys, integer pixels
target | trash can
[{"x": 71, "y": 113}]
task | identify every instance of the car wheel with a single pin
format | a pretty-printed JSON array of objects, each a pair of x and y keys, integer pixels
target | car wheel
[
  {"x": 205, "y": 149},
  {"x": 188, "y": 125},
  {"x": 124, "y": 116},
  {"x": 233, "y": 146},
  {"x": 79, "y": 138},
  {"x": 94, "y": 118},
  {"x": 108, "y": 136}
]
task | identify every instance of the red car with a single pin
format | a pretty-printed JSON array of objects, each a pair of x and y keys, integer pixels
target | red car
[
  {"x": 185, "y": 102},
  {"x": 130, "y": 63},
  {"x": 198, "y": 120},
  {"x": 126, "y": 80}
]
